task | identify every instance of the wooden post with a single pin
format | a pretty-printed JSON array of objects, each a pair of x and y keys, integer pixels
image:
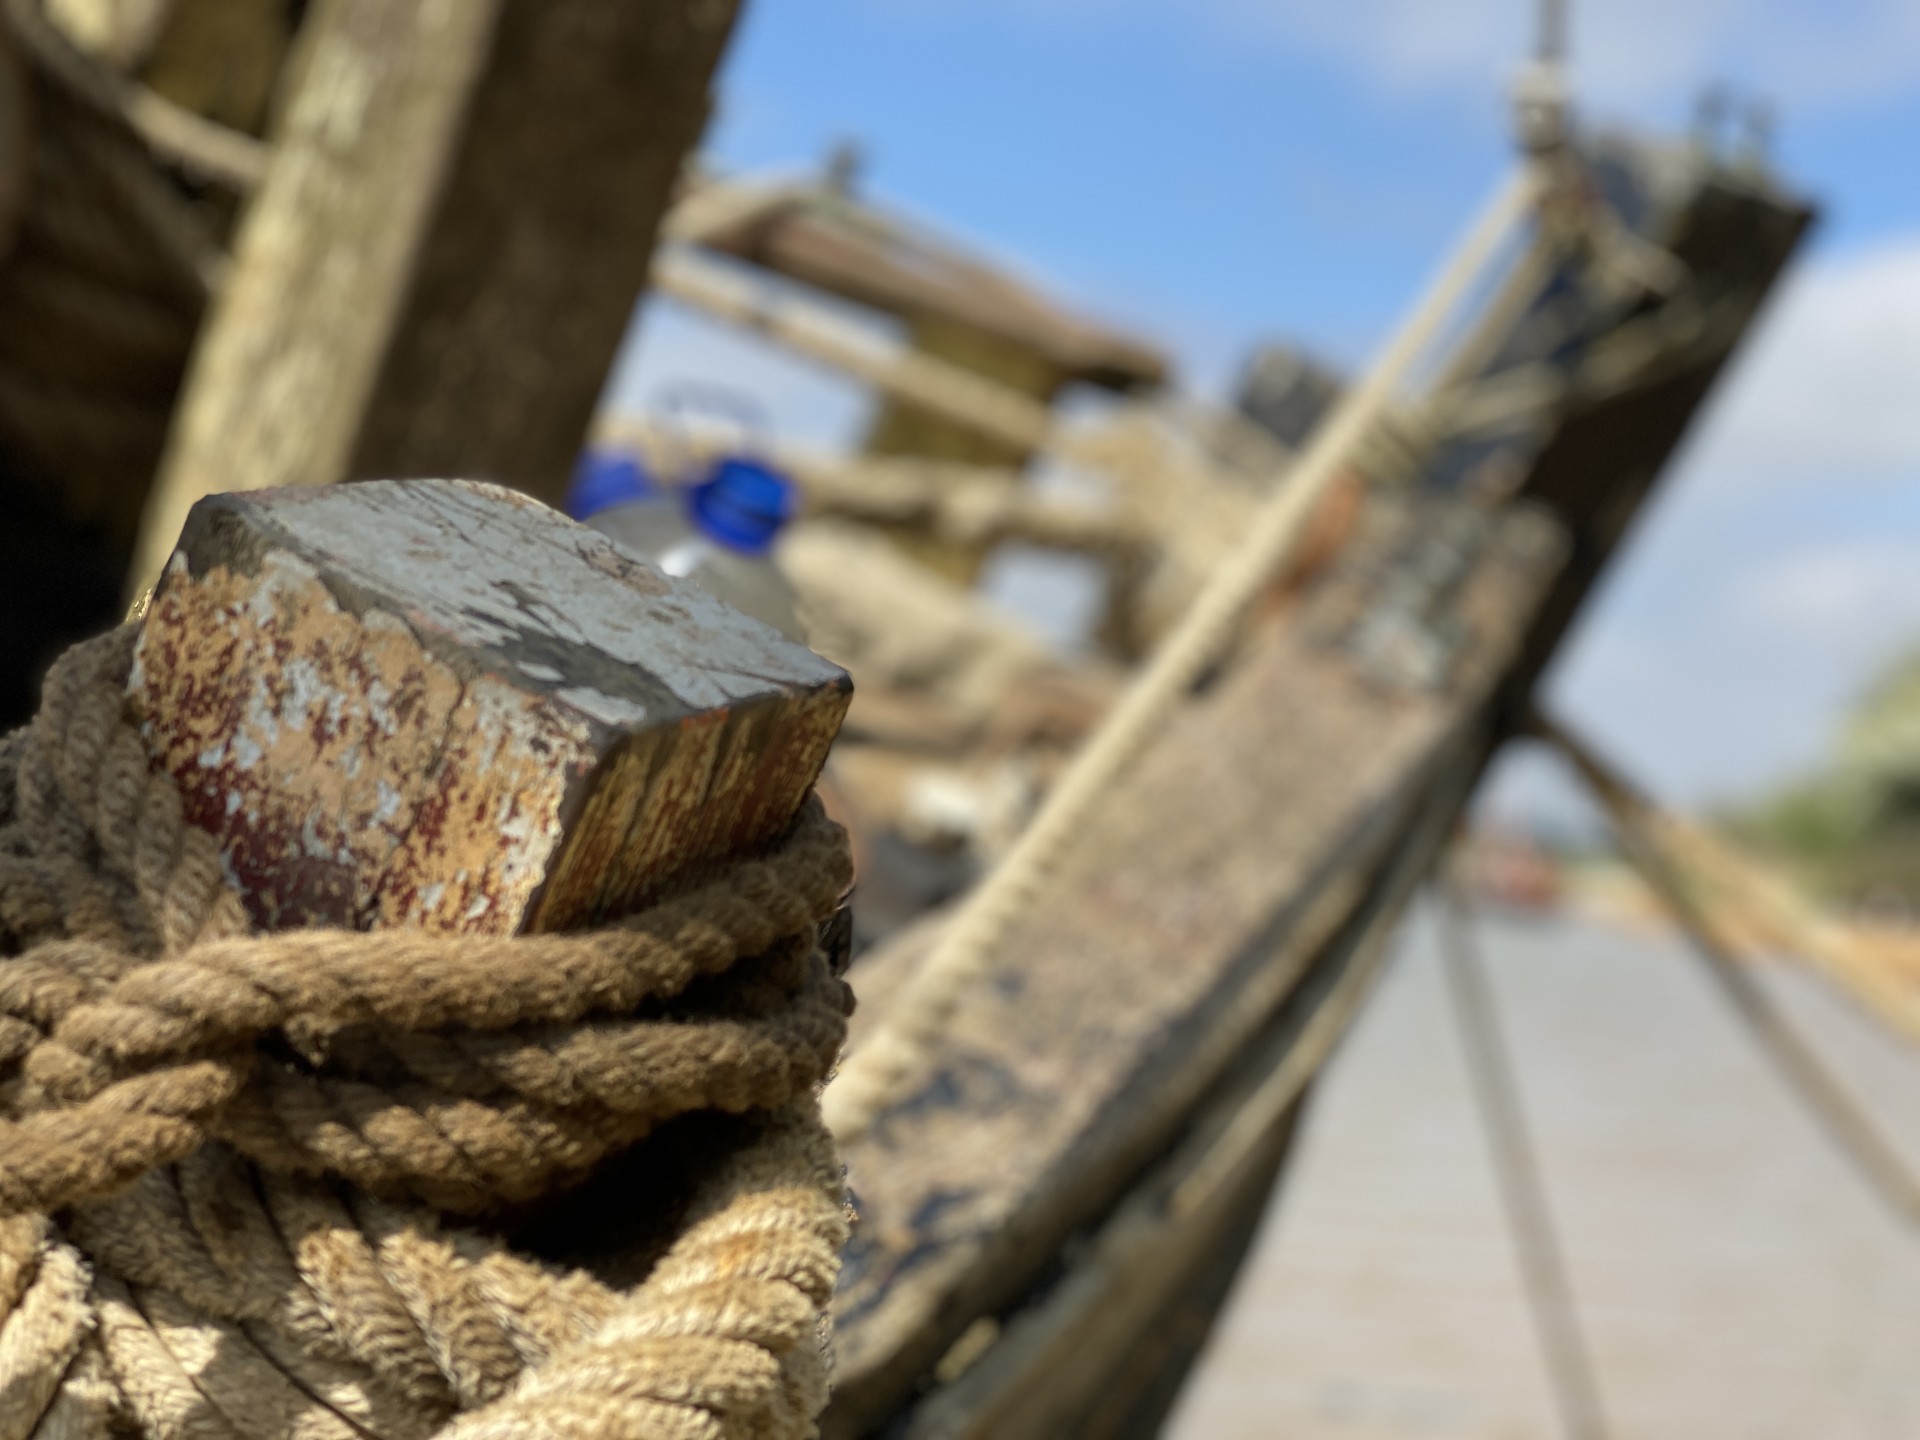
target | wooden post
[
  {"x": 903, "y": 430},
  {"x": 442, "y": 704},
  {"x": 443, "y": 255}
]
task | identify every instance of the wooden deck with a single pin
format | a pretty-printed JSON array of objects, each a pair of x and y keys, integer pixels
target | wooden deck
[{"x": 1734, "y": 1278}]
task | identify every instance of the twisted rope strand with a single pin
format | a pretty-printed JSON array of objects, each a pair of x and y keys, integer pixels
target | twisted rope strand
[{"x": 236, "y": 1132}]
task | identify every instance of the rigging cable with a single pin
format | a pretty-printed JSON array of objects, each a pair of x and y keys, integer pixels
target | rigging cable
[
  {"x": 1516, "y": 1164},
  {"x": 1851, "y": 1129},
  {"x": 1553, "y": 32}
]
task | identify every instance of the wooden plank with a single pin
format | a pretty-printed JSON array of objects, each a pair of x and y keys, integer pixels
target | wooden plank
[
  {"x": 442, "y": 704},
  {"x": 1605, "y": 455},
  {"x": 1057, "y": 1366},
  {"x": 827, "y": 239},
  {"x": 1063, "y": 1125},
  {"x": 910, "y": 377},
  {"x": 441, "y": 260},
  {"x": 1205, "y": 884}
]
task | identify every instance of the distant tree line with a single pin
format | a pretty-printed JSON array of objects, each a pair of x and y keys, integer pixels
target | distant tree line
[{"x": 1852, "y": 829}]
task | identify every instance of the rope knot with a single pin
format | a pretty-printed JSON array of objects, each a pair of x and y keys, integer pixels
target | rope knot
[{"x": 246, "y": 1127}]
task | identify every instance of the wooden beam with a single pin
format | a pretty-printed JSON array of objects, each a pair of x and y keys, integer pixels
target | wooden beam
[
  {"x": 444, "y": 252},
  {"x": 442, "y": 704},
  {"x": 1145, "y": 963},
  {"x": 1068, "y": 1361},
  {"x": 1208, "y": 879},
  {"x": 933, "y": 385}
]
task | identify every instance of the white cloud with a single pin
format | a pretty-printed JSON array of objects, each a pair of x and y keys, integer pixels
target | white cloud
[
  {"x": 1830, "y": 390},
  {"x": 1624, "y": 52},
  {"x": 1742, "y": 677},
  {"x": 1846, "y": 596},
  {"x": 1783, "y": 568}
]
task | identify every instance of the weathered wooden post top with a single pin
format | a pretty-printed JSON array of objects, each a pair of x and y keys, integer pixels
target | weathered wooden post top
[{"x": 440, "y": 703}]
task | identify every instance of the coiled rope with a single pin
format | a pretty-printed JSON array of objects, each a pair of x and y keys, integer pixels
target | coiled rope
[{"x": 225, "y": 1157}]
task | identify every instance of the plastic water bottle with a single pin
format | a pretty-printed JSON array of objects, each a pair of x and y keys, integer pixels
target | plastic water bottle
[{"x": 718, "y": 533}]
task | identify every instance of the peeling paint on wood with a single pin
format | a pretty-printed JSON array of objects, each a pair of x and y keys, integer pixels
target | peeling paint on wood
[{"x": 440, "y": 703}]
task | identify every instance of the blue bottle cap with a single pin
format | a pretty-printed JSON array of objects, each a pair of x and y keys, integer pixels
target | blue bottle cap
[
  {"x": 742, "y": 504},
  {"x": 605, "y": 478}
]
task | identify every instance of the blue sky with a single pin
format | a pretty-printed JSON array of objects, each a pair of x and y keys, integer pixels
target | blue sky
[{"x": 1215, "y": 171}]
